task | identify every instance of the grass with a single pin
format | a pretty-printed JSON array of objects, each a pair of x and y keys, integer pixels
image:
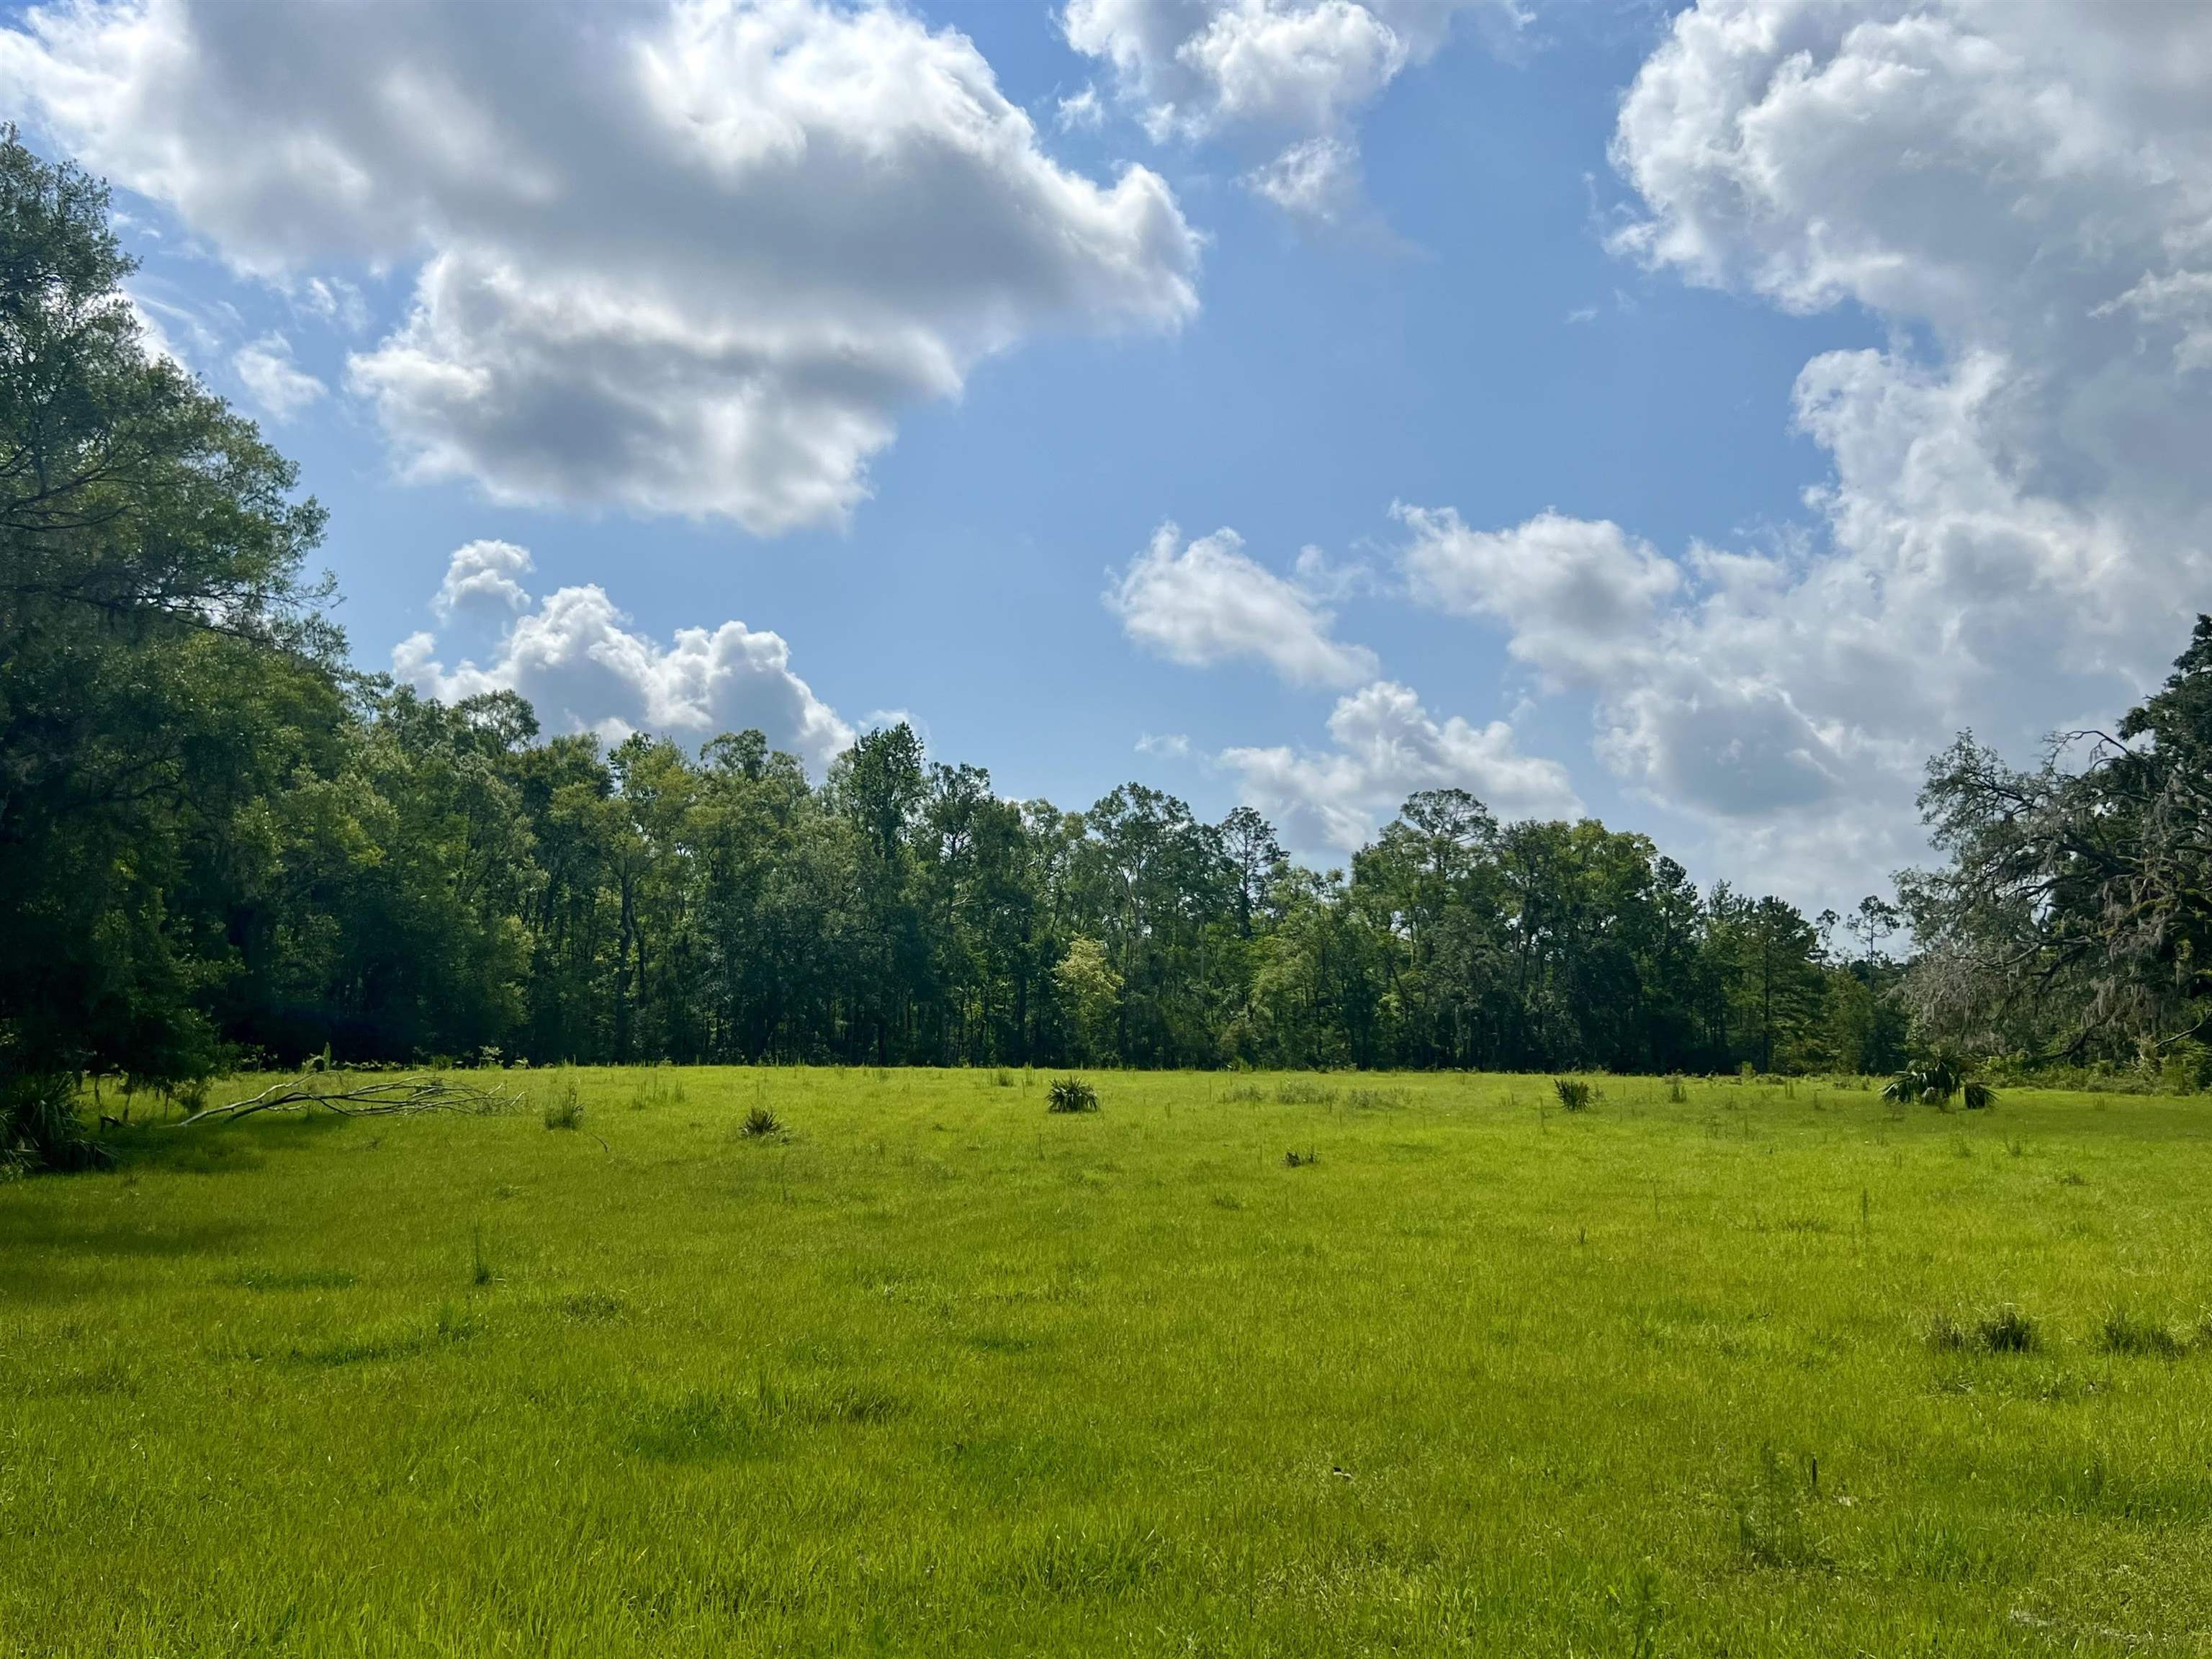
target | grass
[{"x": 938, "y": 1372}]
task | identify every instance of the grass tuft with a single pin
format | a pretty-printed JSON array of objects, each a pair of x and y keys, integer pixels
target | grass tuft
[
  {"x": 2124, "y": 1332},
  {"x": 566, "y": 1110},
  {"x": 2002, "y": 1329},
  {"x": 1376, "y": 1100}
]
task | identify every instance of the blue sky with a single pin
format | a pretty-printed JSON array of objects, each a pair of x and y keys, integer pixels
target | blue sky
[{"x": 1598, "y": 294}]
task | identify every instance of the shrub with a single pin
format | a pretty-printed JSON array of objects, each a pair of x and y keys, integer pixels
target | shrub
[
  {"x": 40, "y": 1128},
  {"x": 1939, "y": 1082},
  {"x": 1676, "y": 1092},
  {"x": 1070, "y": 1094},
  {"x": 1573, "y": 1092},
  {"x": 1300, "y": 1092},
  {"x": 1244, "y": 1092},
  {"x": 1300, "y": 1160},
  {"x": 1002, "y": 1078},
  {"x": 760, "y": 1124}
]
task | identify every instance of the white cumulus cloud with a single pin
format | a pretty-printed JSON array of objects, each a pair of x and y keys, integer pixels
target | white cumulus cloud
[
  {"x": 576, "y": 658},
  {"x": 1291, "y": 72},
  {"x": 1384, "y": 746},
  {"x": 481, "y": 577},
  {"x": 691, "y": 258},
  {"x": 2016, "y": 520},
  {"x": 1209, "y": 601}
]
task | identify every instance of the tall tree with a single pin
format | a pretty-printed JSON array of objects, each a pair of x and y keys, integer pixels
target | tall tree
[{"x": 163, "y": 664}]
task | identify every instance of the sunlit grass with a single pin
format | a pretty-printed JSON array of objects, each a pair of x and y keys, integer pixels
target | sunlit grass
[{"x": 925, "y": 1367}]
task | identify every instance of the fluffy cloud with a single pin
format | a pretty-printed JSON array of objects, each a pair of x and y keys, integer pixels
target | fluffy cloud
[
  {"x": 1210, "y": 602},
  {"x": 2016, "y": 517},
  {"x": 482, "y": 577},
  {"x": 583, "y": 668},
  {"x": 1295, "y": 69},
  {"x": 1385, "y": 746},
  {"x": 278, "y": 385},
  {"x": 1578, "y": 595},
  {"x": 1318, "y": 178},
  {"x": 691, "y": 260},
  {"x": 1587, "y": 605}
]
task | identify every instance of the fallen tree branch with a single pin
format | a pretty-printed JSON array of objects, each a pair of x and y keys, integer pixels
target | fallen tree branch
[{"x": 384, "y": 1099}]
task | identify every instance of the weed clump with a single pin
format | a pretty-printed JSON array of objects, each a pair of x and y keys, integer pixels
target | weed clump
[
  {"x": 593, "y": 1308},
  {"x": 1300, "y": 1092},
  {"x": 565, "y": 1110},
  {"x": 1002, "y": 1078},
  {"x": 2004, "y": 1330},
  {"x": 2124, "y": 1333},
  {"x": 1376, "y": 1099},
  {"x": 1070, "y": 1094},
  {"x": 1574, "y": 1093},
  {"x": 1677, "y": 1092},
  {"x": 653, "y": 1090},
  {"x": 1245, "y": 1093},
  {"x": 2008, "y": 1330},
  {"x": 760, "y": 1124},
  {"x": 1300, "y": 1160}
]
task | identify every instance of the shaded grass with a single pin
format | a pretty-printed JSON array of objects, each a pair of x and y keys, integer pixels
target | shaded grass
[{"x": 1754, "y": 1369}]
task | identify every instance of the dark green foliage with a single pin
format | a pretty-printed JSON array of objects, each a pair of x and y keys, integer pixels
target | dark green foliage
[
  {"x": 2008, "y": 1330},
  {"x": 1070, "y": 1094},
  {"x": 760, "y": 1124},
  {"x": 1574, "y": 1093},
  {"x": 2074, "y": 920},
  {"x": 1300, "y": 1160},
  {"x": 2005, "y": 1329},
  {"x": 40, "y": 1127},
  {"x": 162, "y": 666},
  {"x": 1939, "y": 1082},
  {"x": 2125, "y": 1332}
]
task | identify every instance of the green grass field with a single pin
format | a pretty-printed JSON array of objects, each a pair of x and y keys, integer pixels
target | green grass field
[{"x": 938, "y": 1373}]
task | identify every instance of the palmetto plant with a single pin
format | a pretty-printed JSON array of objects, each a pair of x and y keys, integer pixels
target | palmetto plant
[
  {"x": 1939, "y": 1082},
  {"x": 1070, "y": 1094}
]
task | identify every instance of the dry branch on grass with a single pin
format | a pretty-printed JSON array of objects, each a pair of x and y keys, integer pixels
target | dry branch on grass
[{"x": 385, "y": 1097}]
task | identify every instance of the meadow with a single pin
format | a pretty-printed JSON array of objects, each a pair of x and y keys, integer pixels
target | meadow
[{"x": 1238, "y": 1365}]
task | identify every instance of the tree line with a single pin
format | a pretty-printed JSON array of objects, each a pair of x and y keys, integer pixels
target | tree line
[{"x": 221, "y": 843}]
